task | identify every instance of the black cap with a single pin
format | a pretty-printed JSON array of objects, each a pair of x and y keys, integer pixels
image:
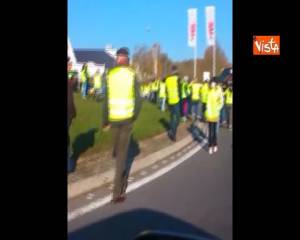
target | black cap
[
  {"x": 214, "y": 79},
  {"x": 123, "y": 51}
]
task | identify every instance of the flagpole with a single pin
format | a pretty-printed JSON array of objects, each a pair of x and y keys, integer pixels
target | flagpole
[
  {"x": 215, "y": 46},
  {"x": 195, "y": 60},
  {"x": 214, "y": 60}
]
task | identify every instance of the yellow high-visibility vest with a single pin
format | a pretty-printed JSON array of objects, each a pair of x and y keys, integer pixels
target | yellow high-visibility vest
[
  {"x": 147, "y": 89},
  {"x": 228, "y": 97},
  {"x": 83, "y": 77},
  {"x": 120, "y": 90},
  {"x": 184, "y": 89},
  {"x": 172, "y": 89},
  {"x": 156, "y": 85},
  {"x": 162, "y": 90},
  {"x": 213, "y": 105},
  {"x": 97, "y": 81},
  {"x": 196, "y": 91},
  {"x": 204, "y": 92}
]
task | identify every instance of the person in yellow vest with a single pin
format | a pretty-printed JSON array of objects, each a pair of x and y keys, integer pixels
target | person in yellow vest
[
  {"x": 84, "y": 77},
  {"x": 228, "y": 105},
  {"x": 220, "y": 91},
  {"x": 189, "y": 98},
  {"x": 204, "y": 92},
  {"x": 122, "y": 104},
  {"x": 183, "y": 98},
  {"x": 97, "y": 84},
  {"x": 157, "y": 84},
  {"x": 162, "y": 95},
  {"x": 147, "y": 91},
  {"x": 195, "y": 99},
  {"x": 212, "y": 114},
  {"x": 142, "y": 90},
  {"x": 173, "y": 97},
  {"x": 152, "y": 90}
]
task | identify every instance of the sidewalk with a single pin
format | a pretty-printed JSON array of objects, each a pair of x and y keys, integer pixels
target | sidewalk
[{"x": 96, "y": 170}]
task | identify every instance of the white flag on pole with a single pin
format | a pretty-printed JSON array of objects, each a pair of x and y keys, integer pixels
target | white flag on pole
[
  {"x": 210, "y": 25},
  {"x": 192, "y": 27}
]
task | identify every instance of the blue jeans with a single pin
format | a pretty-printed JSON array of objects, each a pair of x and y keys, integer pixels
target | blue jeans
[
  {"x": 212, "y": 134},
  {"x": 175, "y": 117},
  {"x": 222, "y": 115},
  {"x": 84, "y": 89},
  {"x": 162, "y": 104},
  {"x": 195, "y": 109},
  {"x": 201, "y": 116}
]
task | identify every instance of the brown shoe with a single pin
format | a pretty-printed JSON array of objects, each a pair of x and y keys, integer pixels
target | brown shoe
[{"x": 119, "y": 199}]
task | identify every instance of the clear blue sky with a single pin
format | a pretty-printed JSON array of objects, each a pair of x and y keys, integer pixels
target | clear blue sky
[{"x": 95, "y": 23}]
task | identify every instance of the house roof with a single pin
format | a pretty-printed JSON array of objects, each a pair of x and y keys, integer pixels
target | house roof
[{"x": 98, "y": 56}]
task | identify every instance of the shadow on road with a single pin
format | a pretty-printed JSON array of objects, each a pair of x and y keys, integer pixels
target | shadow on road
[
  {"x": 83, "y": 142},
  {"x": 198, "y": 134},
  {"x": 133, "y": 151},
  {"x": 127, "y": 225}
]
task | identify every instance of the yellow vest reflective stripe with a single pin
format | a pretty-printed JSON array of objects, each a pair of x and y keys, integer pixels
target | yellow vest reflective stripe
[
  {"x": 228, "y": 97},
  {"x": 172, "y": 89},
  {"x": 204, "y": 92},
  {"x": 162, "y": 90},
  {"x": 97, "y": 81},
  {"x": 120, "y": 89},
  {"x": 196, "y": 88},
  {"x": 213, "y": 105}
]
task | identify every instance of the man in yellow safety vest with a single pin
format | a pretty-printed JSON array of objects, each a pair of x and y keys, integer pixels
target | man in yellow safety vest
[
  {"x": 173, "y": 96},
  {"x": 195, "y": 99},
  {"x": 228, "y": 105},
  {"x": 122, "y": 104}
]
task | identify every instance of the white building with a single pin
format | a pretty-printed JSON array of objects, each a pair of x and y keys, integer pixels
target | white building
[{"x": 97, "y": 59}]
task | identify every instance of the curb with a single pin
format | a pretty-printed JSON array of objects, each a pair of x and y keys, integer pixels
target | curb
[
  {"x": 82, "y": 186},
  {"x": 85, "y": 185}
]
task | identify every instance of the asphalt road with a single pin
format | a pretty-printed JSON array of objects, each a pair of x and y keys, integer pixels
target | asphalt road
[{"x": 194, "y": 198}]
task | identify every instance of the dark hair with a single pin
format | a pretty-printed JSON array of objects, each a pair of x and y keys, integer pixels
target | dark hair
[{"x": 123, "y": 51}]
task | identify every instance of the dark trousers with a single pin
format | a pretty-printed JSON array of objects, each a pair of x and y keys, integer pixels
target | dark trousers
[
  {"x": 121, "y": 139},
  {"x": 189, "y": 105},
  {"x": 175, "y": 117},
  {"x": 228, "y": 113},
  {"x": 212, "y": 134},
  {"x": 203, "y": 110},
  {"x": 184, "y": 107}
]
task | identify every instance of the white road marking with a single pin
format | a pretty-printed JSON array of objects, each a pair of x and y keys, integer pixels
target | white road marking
[{"x": 102, "y": 201}]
